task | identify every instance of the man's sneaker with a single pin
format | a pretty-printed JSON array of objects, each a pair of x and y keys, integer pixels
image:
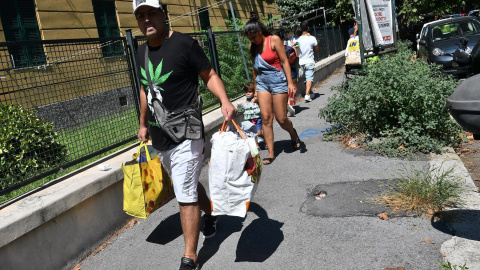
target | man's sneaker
[
  {"x": 210, "y": 226},
  {"x": 290, "y": 110},
  {"x": 188, "y": 264},
  {"x": 308, "y": 98}
]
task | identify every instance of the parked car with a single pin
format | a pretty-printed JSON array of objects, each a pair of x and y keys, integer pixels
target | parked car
[
  {"x": 475, "y": 12},
  {"x": 450, "y": 43}
]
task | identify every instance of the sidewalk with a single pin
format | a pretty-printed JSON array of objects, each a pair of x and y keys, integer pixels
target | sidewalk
[{"x": 287, "y": 228}]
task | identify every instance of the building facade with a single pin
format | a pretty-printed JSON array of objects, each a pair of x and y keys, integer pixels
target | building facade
[
  {"x": 68, "y": 19},
  {"x": 33, "y": 74}
]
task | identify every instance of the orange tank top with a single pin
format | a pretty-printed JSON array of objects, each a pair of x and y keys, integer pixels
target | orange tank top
[{"x": 270, "y": 56}]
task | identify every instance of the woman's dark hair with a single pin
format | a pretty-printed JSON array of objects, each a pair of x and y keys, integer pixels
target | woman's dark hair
[
  {"x": 248, "y": 86},
  {"x": 281, "y": 34},
  {"x": 252, "y": 27}
]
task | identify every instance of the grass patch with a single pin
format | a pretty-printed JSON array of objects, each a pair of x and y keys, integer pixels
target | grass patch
[
  {"x": 420, "y": 191},
  {"x": 84, "y": 140},
  {"x": 98, "y": 134}
]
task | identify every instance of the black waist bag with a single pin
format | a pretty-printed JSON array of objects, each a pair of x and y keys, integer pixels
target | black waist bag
[{"x": 178, "y": 125}]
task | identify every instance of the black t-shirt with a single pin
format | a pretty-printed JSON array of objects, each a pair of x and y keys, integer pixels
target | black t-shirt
[{"x": 174, "y": 70}]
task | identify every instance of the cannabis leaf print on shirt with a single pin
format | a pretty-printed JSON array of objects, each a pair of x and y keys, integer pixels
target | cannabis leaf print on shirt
[{"x": 157, "y": 80}]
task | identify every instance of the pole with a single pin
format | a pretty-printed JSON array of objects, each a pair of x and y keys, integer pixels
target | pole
[
  {"x": 325, "y": 32},
  {"x": 136, "y": 81},
  {"x": 196, "y": 14},
  {"x": 394, "y": 25},
  {"x": 360, "y": 39},
  {"x": 239, "y": 41},
  {"x": 213, "y": 51}
]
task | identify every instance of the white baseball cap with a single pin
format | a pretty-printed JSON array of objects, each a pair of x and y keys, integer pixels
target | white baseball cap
[{"x": 150, "y": 3}]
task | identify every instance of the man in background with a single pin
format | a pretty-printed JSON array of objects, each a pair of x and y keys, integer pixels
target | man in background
[{"x": 308, "y": 46}]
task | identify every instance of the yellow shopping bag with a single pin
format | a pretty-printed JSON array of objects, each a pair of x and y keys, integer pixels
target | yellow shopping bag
[{"x": 146, "y": 185}]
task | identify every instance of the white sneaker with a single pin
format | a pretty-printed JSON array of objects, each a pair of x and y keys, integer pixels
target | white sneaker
[
  {"x": 290, "y": 110},
  {"x": 308, "y": 98}
]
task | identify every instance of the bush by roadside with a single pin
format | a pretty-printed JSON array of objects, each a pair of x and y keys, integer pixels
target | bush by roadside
[
  {"x": 396, "y": 106},
  {"x": 27, "y": 144}
]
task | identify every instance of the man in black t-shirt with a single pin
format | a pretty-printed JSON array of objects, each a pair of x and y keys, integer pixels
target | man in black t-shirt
[{"x": 174, "y": 63}]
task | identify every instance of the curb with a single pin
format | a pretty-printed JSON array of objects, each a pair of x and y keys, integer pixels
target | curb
[{"x": 463, "y": 248}]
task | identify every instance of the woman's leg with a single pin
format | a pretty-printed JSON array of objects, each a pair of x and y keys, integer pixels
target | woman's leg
[
  {"x": 280, "y": 108},
  {"x": 266, "y": 109}
]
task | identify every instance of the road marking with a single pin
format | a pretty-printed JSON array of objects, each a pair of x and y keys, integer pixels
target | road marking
[{"x": 309, "y": 133}]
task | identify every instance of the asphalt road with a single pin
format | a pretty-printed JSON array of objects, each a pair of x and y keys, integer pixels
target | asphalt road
[{"x": 286, "y": 227}]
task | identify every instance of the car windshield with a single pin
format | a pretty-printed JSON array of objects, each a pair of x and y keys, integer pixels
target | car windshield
[{"x": 455, "y": 29}]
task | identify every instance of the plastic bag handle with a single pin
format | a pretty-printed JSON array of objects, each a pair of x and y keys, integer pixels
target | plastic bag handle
[
  {"x": 239, "y": 129},
  {"x": 142, "y": 143}
]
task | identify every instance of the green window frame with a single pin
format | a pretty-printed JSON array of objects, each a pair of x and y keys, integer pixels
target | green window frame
[
  {"x": 19, "y": 21},
  {"x": 107, "y": 26}
]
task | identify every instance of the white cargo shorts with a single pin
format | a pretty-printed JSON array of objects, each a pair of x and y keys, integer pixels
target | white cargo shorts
[{"x": 184, "y": 163}]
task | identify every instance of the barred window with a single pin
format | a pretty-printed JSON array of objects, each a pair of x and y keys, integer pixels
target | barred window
[{"x": 19, "y": 23}]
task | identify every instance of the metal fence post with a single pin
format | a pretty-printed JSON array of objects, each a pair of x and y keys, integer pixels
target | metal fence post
[
  {"x": 239, "y": 41},
  {"x": 340, "y": 37},
  {"x": 334, "y": 42},
  {"x": 326, "y": 39},
  {"x": 131, "y": 52},
  {"x": 315, "y": 35},
  {"x": 212, "y": 48}
]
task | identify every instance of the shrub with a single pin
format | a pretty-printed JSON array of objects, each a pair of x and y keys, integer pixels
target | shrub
[
  {"x": 27, "y": 145},
  {"x": 401, "y": 100}
]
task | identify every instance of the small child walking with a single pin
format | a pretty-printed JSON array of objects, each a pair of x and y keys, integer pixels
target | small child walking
[{"x": 251, "y": 110}]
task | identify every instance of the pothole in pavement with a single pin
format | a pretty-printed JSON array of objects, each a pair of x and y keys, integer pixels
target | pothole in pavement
[{"x": 346, "y": 199}]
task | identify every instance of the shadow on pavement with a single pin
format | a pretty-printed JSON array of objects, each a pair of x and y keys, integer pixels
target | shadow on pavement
[
  {"x": 168, "y": 230},
  {"x": 299, "y": 109},
  {"x": 286, "y": 147},
  {"x": 260, "y": 239},
  {"x": 225, "y": 227},
  {"x": 461, "y": 223}
]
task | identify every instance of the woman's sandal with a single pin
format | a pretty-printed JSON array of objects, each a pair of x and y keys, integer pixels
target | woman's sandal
[
  {"x": 267, "y": 161},
  {"x": 297, "y": 143}
]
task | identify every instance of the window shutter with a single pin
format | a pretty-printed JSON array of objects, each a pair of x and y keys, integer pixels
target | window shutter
[
  {"x": 20, "y": 24},
  {"x": 107, "y": 25},
  {"x": 204, "y": 19}
]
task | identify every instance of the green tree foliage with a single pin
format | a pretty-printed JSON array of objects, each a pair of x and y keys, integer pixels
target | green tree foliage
[
  {"x": 231, "y": 60},
  {"x": 336, "y": 11},
  {"x": 291, "y": 8},
  {"x": 400, "y": 100},
  {"x": 341, "y": 10},
  {"x": 232, "y": 67},
  {"x": 27, "y": 145}
]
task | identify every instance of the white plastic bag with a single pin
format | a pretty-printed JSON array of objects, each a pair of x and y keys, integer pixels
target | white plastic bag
[{"x": 231, "y": 185}]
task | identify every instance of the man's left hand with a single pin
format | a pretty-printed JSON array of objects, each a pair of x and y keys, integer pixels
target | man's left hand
[{"x": 228, "y": 110}]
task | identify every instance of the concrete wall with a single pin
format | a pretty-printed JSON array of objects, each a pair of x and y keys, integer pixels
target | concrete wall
[
  {"x": 62, "y": 223},
  {"x": 323, "y": 69}
]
